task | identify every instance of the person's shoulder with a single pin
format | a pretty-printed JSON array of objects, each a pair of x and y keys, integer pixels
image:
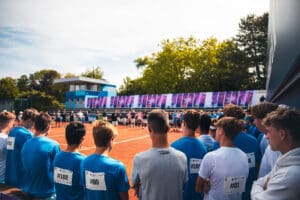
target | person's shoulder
[
  {"x": 178, "y": 142},
  {"x": 177, "y": 153},
  {"x": 143, "y": 154}
]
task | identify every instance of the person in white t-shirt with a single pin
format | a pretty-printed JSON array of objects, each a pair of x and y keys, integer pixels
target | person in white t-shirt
[
  {"x": 6, "y": 123},
  {"x": 269, "y": 157},
  {"x": 225, "y": 169}
]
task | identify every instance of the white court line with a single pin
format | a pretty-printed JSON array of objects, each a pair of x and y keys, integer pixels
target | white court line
[
  {"x": 51, "y": 136},
  {"x": 122, "y": 141}
]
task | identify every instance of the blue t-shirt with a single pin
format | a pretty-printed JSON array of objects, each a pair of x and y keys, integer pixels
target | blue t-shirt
[
  {"x": 208, "y": 141},
  {"x": 194, "y": 150},
  {"x": 103, "y": 178},
  {"x": 15, "y": 174},
  {"x": 249, "y": 145},
  {"x": 37, "y": 157},
  {"x": 67, "y": 175}
]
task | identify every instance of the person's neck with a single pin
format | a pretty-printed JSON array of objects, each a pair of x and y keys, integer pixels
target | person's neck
[
  {"x": 160, "y": 141},
  {"x": 288, "y": 147},
  {"x": 102, "y": 151},
  {"x": 203, "y": 132},
  {"x": 72, "y": 148},
  {"x": 40, "y": 134},
  {"x": 189, "y": 133},
  {"x": 226, "y": 143}
]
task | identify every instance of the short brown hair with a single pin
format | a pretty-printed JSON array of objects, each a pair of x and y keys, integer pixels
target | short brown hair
[
  {"x": 231, "y": 126},
  {"x": 5, "y": 118},
  {"x": 191, "y": 118},
  {"x": 42, "y": 122},
  {"x": 29, "y": 114},
  {"x": 232, "y": 110},
  {"x": 261, "y": 110},
  {"x": 158, "y": 121},
  {"x": 287, "y": 119},
  {"x": 103, "y": 133}
]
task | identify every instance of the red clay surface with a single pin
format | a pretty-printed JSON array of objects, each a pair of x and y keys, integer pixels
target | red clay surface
[{"x": 129, "y": 142}]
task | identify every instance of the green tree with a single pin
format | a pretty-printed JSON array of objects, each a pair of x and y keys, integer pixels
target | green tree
[
  {"x": 44, "y": 80},
  {"x": 8, "y": 88},
  {"x": 42, "y": 101},
  {"x": 23, "y": 83},
  {"x": 93, "y": 73},
  {"x": 252, "y": 40},
  {"x": 131, "y": 87}
]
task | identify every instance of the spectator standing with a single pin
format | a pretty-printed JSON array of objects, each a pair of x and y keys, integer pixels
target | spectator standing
[
  {"x": 86, "y": 116},
  {"x": 37, "y": 157},
  {"x": 226, "y": 168},
  {"x": 248, "y": 144},
  {"x": 6, "y": 123},
  {"x": 72, "y": 116},
  {"x": 194, "y": 151},
  {"x": 205, "y": 138},
  {"x": 145, "y": 116},
  {"x": 270, "y": 157},
  {"x": 67, "y": 165},
  {"x": 104, "y": 115},
  {"x": 114, "y": 118},
  {"x": 15, "y": 173},
  {"x": 160, "y": 172},
  {"x": 283, "y": 181},
  {"x": 102, "y": 176}
]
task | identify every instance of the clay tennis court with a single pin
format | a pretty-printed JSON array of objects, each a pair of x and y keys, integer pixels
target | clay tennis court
[{"x": 129, "y": 142}]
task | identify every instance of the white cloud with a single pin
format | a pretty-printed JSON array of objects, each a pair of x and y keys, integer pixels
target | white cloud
[{"x": 71, "y": 35}]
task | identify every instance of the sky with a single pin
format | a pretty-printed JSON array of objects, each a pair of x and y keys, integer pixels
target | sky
[{"x": 72, "y": 36}]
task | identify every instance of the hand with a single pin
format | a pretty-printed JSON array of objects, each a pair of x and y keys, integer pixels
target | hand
[{"x": 265, "y": 187}]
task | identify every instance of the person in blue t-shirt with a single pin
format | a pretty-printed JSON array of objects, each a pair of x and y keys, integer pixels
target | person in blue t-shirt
[
  {"x": 104, "y": 177},
  {"x": 67, "y": 165},
  {"x": 194, "y": 150},
  {"x": 205, "y": 138},
  {"x": 248, "y": 144},
  {"x": 15, "y": 174},
  {"x": 37, "y": 157}
]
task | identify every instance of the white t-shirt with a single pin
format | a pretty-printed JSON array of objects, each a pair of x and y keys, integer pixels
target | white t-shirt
[
  {"x": 3, "y": 140},
  {"x": 268, "y": 161},
  {"x": 227, "y": 169}
]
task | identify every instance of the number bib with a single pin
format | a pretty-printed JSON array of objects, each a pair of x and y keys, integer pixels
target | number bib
[
  {"x": 63, "y": 176},
  {"x": 195, "y": 165},
  {"x": 95, "y": 181},
  {"x": 10, "y": 145},
  {"x": 234, "y": 185},
  {"x": 251, "y": 159}
]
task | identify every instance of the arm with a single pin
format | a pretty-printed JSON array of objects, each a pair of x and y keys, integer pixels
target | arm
[
  {"x": 124, "y": 195},
  {"x": 202, "y": 185},
  {"x": 274, "y": 185},
  {"x": 135, "y": 178}
]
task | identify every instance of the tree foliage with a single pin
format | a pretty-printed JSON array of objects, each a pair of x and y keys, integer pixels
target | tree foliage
[
  {"x": 23, "y": 83},
  {"x": 8, "y": 88},
  {"x": 93, "y": 73},
  {"x": 252, "y": 40},
  {"x": 190, "y": 65}
]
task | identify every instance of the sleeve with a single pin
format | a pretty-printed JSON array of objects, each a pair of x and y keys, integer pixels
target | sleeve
[
  {"x": 206, "y": 166},
  {"x": 276, "y": 187},
  {"x": 123, "y": 183}
]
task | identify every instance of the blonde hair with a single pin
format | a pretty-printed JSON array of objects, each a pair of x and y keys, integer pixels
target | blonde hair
[{"x": 103, "y": 133}]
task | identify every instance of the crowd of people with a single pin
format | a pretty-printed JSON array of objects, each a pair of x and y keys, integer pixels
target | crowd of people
[{"x": 253, "y": 154}]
